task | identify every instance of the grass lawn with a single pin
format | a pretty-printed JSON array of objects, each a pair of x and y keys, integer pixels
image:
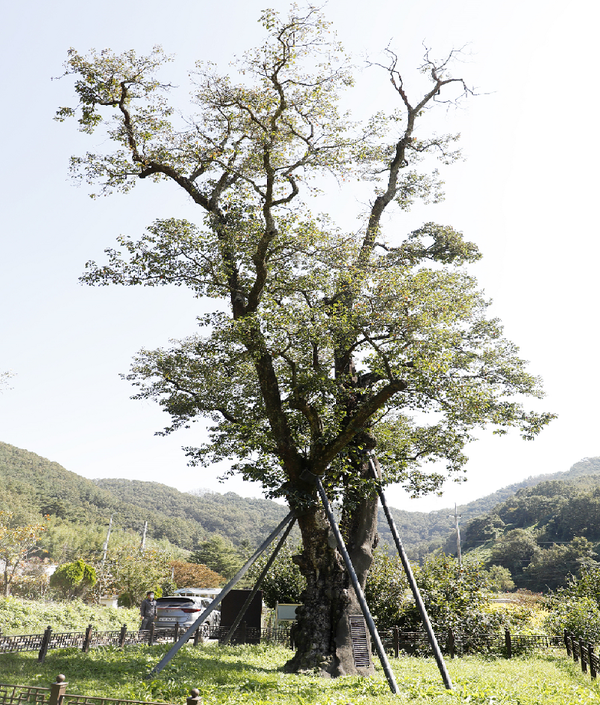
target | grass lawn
[
  {"x": 252, "y": 675},
  {"x": 19, "y": 616}
]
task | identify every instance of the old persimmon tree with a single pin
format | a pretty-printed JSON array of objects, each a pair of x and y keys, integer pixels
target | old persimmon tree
[{"x": 325, "y": 343}]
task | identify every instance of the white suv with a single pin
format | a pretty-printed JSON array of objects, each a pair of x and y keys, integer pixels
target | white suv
[{"x": 184, "y": 607}]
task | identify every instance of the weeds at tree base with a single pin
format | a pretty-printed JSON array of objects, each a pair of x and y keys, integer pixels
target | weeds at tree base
[{"x": 252, "y": 675}]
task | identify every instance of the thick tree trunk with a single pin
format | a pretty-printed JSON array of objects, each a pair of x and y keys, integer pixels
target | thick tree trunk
[{"x": 323, "y": 638}]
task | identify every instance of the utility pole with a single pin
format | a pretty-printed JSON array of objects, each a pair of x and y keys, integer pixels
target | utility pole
[
  {"x": 456, "y": 516},
  {"x": 105, "y": 547},
  {"x": 143, "y": 544}
]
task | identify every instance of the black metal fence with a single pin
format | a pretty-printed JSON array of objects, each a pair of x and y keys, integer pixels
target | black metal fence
[
  {"x": 57, "y": 694},
  {"x": 251, "y": 635},
  {"x": 49, "y": 640},
  {"x": 454, "y": 643},
  {"x": 583, "y": 652}
]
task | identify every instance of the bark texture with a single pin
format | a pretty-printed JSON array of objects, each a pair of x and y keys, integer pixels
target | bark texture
[{"x": 323, "y": 639}]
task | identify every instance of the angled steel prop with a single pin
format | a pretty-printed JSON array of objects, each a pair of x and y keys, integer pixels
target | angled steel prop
[
  {"x": 411, "y": 579},
  {"x": 256, "y": 587},
  {"x": 217, "y": 601},
  {"x": 357, "y": 589}
]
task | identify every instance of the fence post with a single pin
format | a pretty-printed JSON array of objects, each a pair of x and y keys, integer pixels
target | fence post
[
  {"x": 86, "y": 641},
  {"x": 451, "y": 645},
  {"x": 194, "y": 698},
  {"x": 592, "y": 657},
  {"x": 575, "y": 648},
  {"x": 197, "y": 636},
  {"x": 45, "y": 643},
  {"x": 57, "y": 690},
  {"x": 567, "y": 640},
  {"x": 176, "y": 633},
  {"x": 582, "y": 656},
  {"x": 122, "y": 636},
  {"x": 396, "y": 635},
  {"x": 508, "y": 643},
  {"x": 151, "y": 634}
]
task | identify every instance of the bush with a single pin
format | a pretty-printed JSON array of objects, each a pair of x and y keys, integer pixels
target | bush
[
  {"x": 32, "y": 582},
  {"x": 455, "y": 597},
  {"x": 130, "y": 573},
  {"x": 386, "y": 590},
  {"x": 73, "y": 579},
  {"x": 500, "y": 579},
  {"x": 577, "y": 615}
]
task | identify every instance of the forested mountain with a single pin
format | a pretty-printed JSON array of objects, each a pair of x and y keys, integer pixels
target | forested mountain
[
  {"x": 555, "y": 510},
  {"x": 241, "y": 519},
  {"x": 559, "y": 506},
  {"x": 31, "y": 485},
  {"x": 544, "y": 533}
]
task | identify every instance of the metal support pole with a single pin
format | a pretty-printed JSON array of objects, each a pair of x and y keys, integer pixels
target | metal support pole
[
  {"x": 242, "y": 613},
  {"x": 217, "y": 601},
  {"x": 357, "y": 589},
  {"x": 413, "y": 583}
]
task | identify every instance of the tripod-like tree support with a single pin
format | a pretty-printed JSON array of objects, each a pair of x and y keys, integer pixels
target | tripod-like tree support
[
  {"x": 353, "y": 578},
  {"x": 217, "y": 601},
  {"x": 411, "y": 580}
]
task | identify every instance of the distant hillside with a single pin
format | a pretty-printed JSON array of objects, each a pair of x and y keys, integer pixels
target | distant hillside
[
  {"x": 422, "y": 532},
  {"x": 552, "y": 511},
  {"x": 31, "y": 485},
  {"x": 542, "y": 534},
  {"x": 239, "y": 518}
]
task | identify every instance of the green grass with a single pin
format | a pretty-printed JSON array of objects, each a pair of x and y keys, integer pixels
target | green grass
[{"x": 245, "y": 675}]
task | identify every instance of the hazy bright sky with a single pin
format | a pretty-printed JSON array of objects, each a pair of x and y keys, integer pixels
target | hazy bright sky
[{"x": 526, "y": 194}]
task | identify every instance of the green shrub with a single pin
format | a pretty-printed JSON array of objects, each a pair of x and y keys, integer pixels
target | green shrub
[
  {"x": 73, "y": 579},
  {"x": 386, "y": 590},
  {"x": 578, "y": 615},
  {"x": 456, "y": 597},
  {"x": 284, "y": 582},
  {"x": 500, "y": 579}
]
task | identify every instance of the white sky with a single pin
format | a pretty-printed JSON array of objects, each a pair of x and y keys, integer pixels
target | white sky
[{"x": 527, "y": 195}]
